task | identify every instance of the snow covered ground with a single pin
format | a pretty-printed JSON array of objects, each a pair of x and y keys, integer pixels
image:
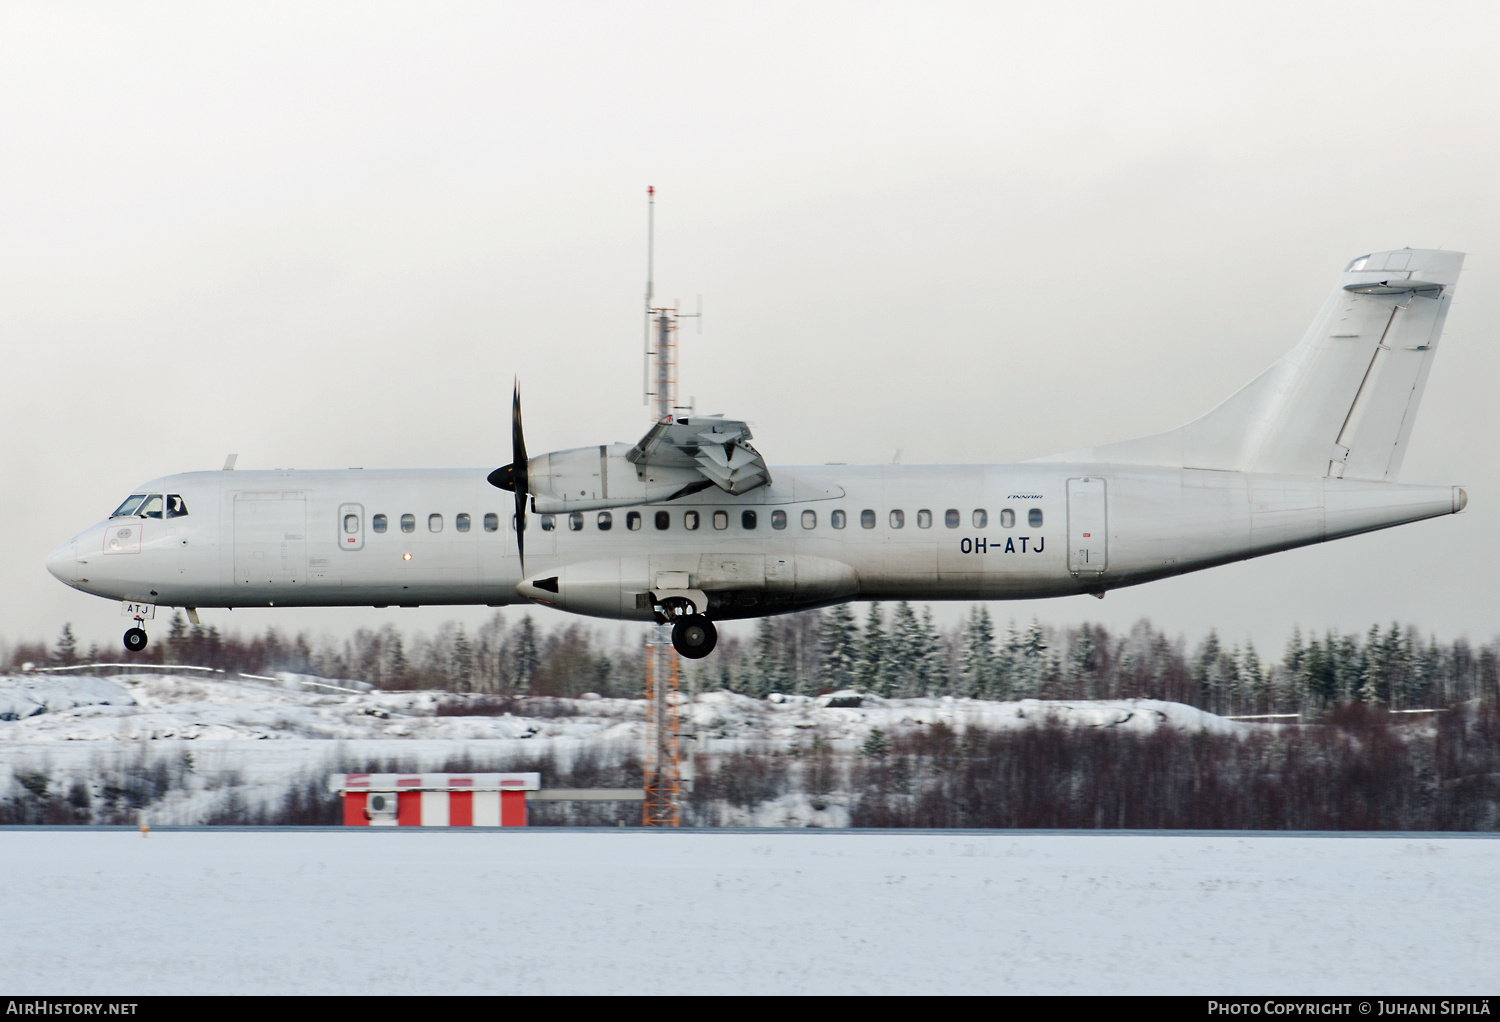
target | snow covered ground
[
  {"x": 215, "y": 733},
  {"x": 361, "y": 911},
  {"x": 56, "y": 708}
]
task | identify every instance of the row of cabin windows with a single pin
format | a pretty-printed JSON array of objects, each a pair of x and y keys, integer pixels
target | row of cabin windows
[
  {"x": 691, "y": 520},
  {"x": 605, "y": 520},
  {"x": 461, "y": 522}
]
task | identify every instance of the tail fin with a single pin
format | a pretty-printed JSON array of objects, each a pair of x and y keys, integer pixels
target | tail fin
[{"x": 1343, "y": 401}]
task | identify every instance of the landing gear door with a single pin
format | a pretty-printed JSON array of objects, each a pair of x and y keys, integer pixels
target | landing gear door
[
  {"x": 1088, "y": 550},
  {"x": 351, "y": 524}
]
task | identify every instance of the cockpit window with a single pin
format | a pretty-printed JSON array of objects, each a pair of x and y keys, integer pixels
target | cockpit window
[
  {"x": 128, "y": 508},
  {"x": 175, "y": 507},
  {"x": 152, "y": 507}
]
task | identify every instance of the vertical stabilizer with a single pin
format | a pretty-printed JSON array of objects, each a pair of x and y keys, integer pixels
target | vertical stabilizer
[{"x": 1343, "y": 401}]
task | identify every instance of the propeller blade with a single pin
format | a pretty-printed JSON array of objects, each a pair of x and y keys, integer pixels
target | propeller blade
[{"x": 513, "y": 476}]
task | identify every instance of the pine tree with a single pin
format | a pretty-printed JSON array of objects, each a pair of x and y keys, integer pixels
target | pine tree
[
  {"x": 461, "y": 667},
  {"x": 397, "y": 667},
  {"x": 976, "y": 663},
  {"x": 177, "y": 632},
  {"x": 876, "y": 744},
  {"x": 525, "y": 655},
  {"x": 1006, "y": 679},
  {"x": 932, "y": 666},
  {"x": 770, "y": 668},
  {"x": 1083, "y": 660},
  {"x": 1253, "y": 673},
  {"x": 904, "y": 652},
  {"x": 1031, "y": 663},
  {"x": 838, "y": 643},
  {"x": 1371, "y": 687},
  {"x": 872, "y": 652},
  {"x": 66, "y": 652}
]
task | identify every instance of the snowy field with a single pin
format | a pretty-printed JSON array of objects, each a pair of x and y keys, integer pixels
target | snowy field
[
  {"x": 224, "y": 736},
  {"x": 39, "y": 708},
  {"x": 499, "y": 912}
]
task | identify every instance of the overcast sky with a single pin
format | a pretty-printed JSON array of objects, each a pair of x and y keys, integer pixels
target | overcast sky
[{"x": 323, "y": 235}]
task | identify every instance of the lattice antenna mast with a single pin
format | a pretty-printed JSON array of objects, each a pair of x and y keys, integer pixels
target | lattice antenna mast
[
  {"x": 660, "y": 370},
  {"x": 664, "y": 776}
]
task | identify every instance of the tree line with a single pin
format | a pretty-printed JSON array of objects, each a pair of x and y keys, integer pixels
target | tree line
[{"x": 895, "y": 651}]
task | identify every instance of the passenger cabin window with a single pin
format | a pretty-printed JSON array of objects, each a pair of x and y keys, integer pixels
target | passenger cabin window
[
  {"x": 575, "y": 521},
  {"x": 690, "y": 520},
  {"x": 981, "y": 518},
  {"x": 809, "y": 519},
  {"x": 606, "y": 521},
  {"x": 408, "y": 523},
  {"x": 492, "y": 522},
  {"x": 867, "y": 519},
  {"x": 898, "y": 519},
  {"x": 663, "y": 519},
  {"x": 461, "y": 523},
  {"x": 1034, "y": 518},
  {"x": 518, "y": 523},
  {"x": 434, "y": 523},
  {"x": 721, "y": 520},
  {"x": 838, "y": 519},
  {"x": 378, "y": 523},
  {"x": 924, "y": 519},
  {"x": 747, "y": 519},
  {"x": 633, "y": 521},
  {"x": 351, "y": 524},
  {"x": 152, "y": 507},
  {"x": 175, "y": 507},
  {"x": 1007, "y": 519},
  {"x": 778, "y": 519},
  {"x": 128, "y": 508},
  {"x": 549, "y": 522},
  {"x": 950, "y": 518}
]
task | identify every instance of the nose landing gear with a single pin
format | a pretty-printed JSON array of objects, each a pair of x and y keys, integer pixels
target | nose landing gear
[{"x": 135, "y": 640}]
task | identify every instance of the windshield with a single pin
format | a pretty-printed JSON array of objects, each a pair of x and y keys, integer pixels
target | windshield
[{"x": 131, "y": 503}]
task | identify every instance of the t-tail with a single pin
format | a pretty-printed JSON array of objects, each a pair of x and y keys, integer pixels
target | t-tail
[{"x": 1341, "y": 404}]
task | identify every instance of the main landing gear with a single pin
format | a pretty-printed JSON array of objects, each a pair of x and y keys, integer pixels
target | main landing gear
[
  {"x": 693, "y": 634},
  {"x": 135, "y": 640}
]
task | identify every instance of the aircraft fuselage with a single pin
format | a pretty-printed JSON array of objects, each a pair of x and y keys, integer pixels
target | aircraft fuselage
[{"x": 818, "y": 535}]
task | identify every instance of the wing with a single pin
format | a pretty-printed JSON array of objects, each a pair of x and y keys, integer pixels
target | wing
[{"x": 717, "y": 448}]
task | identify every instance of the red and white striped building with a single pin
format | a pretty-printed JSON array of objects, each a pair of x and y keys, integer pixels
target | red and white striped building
[{"x": 435, "y": 800}]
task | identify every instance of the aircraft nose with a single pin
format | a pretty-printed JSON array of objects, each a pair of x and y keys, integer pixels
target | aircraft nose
[{"x": 63, "y": 562}]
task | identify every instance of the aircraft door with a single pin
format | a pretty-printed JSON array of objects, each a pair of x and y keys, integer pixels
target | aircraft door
[
  {"x": 351, "y": 526},
  {"x": 270, "y": 539},
  {"x": 1088, "y": 549}
]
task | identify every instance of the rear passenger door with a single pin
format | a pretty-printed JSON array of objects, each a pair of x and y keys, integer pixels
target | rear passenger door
[{"x": 1088, "y": 535}]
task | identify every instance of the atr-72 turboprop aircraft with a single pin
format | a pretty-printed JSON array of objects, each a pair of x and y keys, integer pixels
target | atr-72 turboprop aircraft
[{"x": 690, "y": 525}]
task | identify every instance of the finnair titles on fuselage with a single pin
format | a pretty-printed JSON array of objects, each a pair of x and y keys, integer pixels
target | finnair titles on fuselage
[{"x": 690, "y": 525}]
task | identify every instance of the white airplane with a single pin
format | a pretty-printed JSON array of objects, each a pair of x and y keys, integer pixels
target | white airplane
[{"x": 691, "y": 526}]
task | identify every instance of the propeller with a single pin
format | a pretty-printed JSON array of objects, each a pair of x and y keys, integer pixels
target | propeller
[{"x": 513, "y": 476}]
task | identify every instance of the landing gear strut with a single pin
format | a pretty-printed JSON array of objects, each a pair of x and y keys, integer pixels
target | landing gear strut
[
  {"x": 135, "y": 640},
  {"x": 694, "y": 636}
]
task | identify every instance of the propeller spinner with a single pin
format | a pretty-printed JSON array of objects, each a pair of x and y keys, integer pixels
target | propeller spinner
[{"x": 513, "y": 476}]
